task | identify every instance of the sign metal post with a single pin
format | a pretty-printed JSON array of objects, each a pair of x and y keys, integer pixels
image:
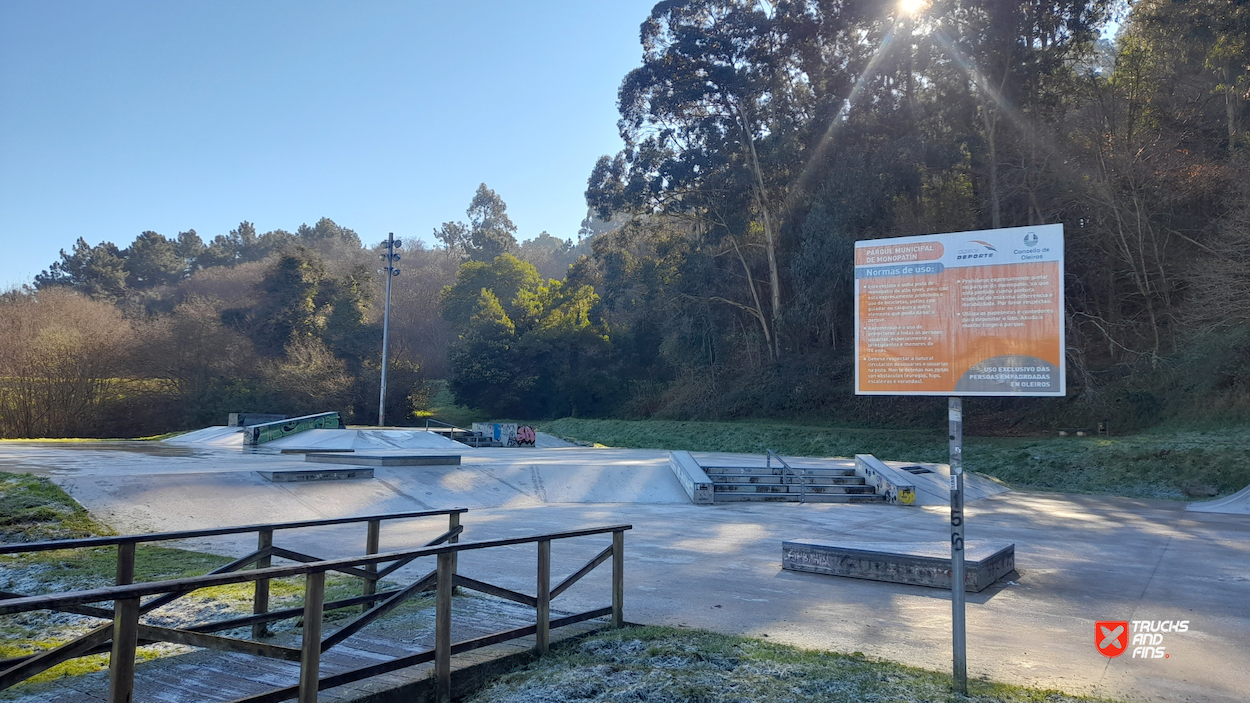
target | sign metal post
[{"x": 958, "y": 641}]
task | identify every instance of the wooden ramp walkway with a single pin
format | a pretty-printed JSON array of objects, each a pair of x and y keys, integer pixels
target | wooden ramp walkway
[{"x": 203, "y": 676}]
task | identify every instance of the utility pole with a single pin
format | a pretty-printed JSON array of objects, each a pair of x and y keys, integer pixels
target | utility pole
[{"x": 390, "y": 257}]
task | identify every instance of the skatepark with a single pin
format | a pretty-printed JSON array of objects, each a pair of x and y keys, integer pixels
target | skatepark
[{"x": 1079, "y": 559}]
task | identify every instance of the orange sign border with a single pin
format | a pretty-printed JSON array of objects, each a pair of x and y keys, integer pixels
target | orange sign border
[{"x": 925, "y": 250}]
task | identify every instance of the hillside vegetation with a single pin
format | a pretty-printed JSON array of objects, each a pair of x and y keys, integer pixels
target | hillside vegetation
[{"x": 713, "y": 276}]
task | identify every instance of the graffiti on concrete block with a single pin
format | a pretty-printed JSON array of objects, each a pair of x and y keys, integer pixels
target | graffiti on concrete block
[{"x": 269, "y": 431}]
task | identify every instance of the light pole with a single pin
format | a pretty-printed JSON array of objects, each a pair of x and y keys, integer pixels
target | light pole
[{"x": 390, "y": 257}]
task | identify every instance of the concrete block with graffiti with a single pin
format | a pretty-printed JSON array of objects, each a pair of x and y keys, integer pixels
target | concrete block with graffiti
[
  {"x": 508, "y": 434},
  {"x": 895, "y": 485},
  {"x": 269, "y": 431}
]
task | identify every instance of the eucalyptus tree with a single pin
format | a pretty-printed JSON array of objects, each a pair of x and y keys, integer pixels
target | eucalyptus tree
[{"x": 695, "y": 119}]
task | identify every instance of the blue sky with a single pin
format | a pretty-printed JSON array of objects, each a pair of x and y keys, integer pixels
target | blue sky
[{"x": 118, "y": 117}]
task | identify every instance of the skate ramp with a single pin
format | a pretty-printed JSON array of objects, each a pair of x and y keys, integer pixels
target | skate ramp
[
  {"x": 215, "y": 436},
  {"x": 1236, "y": 504},
  {"x": 323, "y": 439}
]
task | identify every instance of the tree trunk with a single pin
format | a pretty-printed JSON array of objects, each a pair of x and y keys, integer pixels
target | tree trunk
[{"x": 774, "y": 279}]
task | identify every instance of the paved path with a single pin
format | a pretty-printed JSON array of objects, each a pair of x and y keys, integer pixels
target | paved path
[{"x": 1081, "y": 559}]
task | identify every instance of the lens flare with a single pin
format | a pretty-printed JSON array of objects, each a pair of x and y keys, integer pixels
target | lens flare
[{"x": 912, "y": 7}]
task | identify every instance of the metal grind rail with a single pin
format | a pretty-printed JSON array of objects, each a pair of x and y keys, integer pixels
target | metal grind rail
[
  {"x": 126, "y": 632},
  {"x": 801, "y": 478},
  {"x": 96, "y": 641}
]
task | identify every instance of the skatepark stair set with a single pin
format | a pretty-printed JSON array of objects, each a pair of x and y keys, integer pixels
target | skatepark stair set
[{"x": 869, "y": 481}]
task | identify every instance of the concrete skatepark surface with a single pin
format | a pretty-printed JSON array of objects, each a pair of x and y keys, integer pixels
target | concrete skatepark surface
[{"x": 1080, "y": 559}]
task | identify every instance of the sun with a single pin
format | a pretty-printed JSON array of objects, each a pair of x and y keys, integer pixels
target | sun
[{"x": 912, "y": 7}]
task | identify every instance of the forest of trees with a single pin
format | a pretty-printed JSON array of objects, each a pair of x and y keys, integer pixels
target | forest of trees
[{"x": 713, "y": 277}]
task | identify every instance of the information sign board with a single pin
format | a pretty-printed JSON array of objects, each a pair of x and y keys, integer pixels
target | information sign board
[{"x": 965, "y": 314}]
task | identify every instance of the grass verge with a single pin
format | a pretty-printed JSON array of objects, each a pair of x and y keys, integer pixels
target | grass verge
[
  {"x": 1170, "y": 464},
  {"x": 666, "y": 664},
  {"x": 443, "y": 407}
]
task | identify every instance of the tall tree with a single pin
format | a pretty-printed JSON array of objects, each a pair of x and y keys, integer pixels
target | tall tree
[
  {"x": 491, "y": 231},
  {"x": 98, "y": 271},
  {"x": 152, "y": 260}
]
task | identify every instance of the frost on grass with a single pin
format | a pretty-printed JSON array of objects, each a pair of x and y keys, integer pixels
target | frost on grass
[{"x": 663, "y": 665}]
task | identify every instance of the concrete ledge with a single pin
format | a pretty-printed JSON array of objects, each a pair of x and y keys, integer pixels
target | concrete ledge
[
  {"x": 692, "y": 477},
  {"x": 895, "y": 485},
  {"x": 317, "y": 451},
  {"x": 914, "y": 563},
  {"x": 294, "y": 475},
  {"x": 385, "y": 459}
]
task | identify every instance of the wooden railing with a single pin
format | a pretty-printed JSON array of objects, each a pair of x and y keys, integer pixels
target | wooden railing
[{"x": 126, "y": 632}]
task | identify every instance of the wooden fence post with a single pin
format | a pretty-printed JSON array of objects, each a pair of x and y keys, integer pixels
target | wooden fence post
[
  {"x": 310, "y": 650},
  {"x": 122, "y": 659},
  {"x": 260, "y": 598},
  {"x": 618, "y": 578},
  {"x": 453, "y": 521},
  {"x": 372, "y": 538},
  {"x": 125, "y": 563},
  {"x": 542, "y": 637},
  {"x": 442, "y": 628}
]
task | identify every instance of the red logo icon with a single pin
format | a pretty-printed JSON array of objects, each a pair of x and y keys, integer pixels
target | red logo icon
[{"x": 1111, "y": 637}]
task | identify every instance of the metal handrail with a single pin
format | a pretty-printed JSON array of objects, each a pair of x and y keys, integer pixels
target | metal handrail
[
  {"x": 444, "y": 424},
  {"x": 802, "y": 478}
]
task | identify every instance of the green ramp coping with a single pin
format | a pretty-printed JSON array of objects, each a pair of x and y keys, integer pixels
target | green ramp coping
[
  {"x": 386, "y": 459},
  {"x": 915, "y": 563},
  {"x": 295, "y": 475},
  {"x": 269, "y": 431}
]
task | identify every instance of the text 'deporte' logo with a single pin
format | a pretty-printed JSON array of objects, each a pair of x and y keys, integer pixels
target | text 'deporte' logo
[{"x": 1111, "y": 637}]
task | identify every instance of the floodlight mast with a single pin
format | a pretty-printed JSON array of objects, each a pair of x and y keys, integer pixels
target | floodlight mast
[{"x": 390, "y": 257}]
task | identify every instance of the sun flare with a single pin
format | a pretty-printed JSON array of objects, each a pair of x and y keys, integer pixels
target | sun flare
[{"x": 912, "y": 7}]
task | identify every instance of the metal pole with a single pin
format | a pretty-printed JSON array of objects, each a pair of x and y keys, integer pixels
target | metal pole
[
  {"x": 386, "y": 324},
  {"x": 958, "y": 639}
]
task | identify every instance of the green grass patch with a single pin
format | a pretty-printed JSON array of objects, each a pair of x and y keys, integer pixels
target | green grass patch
[
  {"x": 693, "y": 666},
  {"x": 1171, "y": 464},
  {"x": 443, "y": 407},
  {"x": 33, "y": 508},
  {"x": 77, "y": 440}
]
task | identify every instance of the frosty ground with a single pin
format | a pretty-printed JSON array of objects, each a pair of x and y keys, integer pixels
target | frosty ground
[{"x": 1081, "y": 558}]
